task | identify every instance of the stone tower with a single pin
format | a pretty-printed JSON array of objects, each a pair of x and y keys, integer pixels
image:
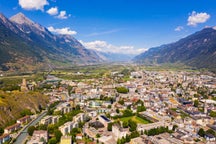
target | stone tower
[
  {"x": 205, "y": 107},
  {"x": 24, "y": 85}
]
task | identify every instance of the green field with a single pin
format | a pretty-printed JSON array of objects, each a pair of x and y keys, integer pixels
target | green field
[{"x": 135, "y": 119}]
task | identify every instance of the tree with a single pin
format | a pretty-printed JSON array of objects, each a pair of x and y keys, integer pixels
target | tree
[
  {"x": 129, "y": 107},
  {"x": 58, "y": 135},
  {"x": 30, "y": 130},
  {"x": 81, "y": 124},
  {"x": 213, "y": 114},
  {"x": 108, "y": 115},
  {"x": 123, "y": 90},
  {"x": 42, "y": 127},
  {"x": 77, "y": 107},
  {"x": 53, "y": 141},
  {"x": 40, "y": 107},
  {"x": 98, "y": 135},
  {"x": 174, "y": 127},
  {"x": 141, "y": 108},
  {"x": 117, "y": 110},
  {"x": 210, "y": 131},
  {"x": 132, "y": 125},
  {"x": 109, "y": 106},
  {"x": 201, "y": 132},
  {"x": 121, "y": 102},
  {"x": 75, "y": 131},
  {"x": 109, "y": 127},
  {"x": 25, "y": 112},
  {"x": 156, "y": 131},
  {"x": 127, "y": 138},
  {"x": 69, "y": 90},
  {"x": 42, "y": 140},
  {"x": 196, "y": 103},
  {"x": 50, "y": 111},
  {"x": 1, "y": 131},
  {"x": 127, "y": 113},
  {"x": 134, "y": 134},
  {"x": 119, "y": 141},
  {"x": 51, "y": 128},
  {"x": 125, "y": 124}
]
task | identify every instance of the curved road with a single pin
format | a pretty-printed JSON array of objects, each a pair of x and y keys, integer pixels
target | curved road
[{"x": 24, "y": 134}]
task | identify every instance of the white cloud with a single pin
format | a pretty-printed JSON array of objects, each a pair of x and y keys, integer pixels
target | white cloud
[
  {"x": 179, "y": 28},
  {"x": 63, "y": 31},
  {"x": 53, "y": 11},
  {"x": 63, "y": 15},
  {"x": 196, "y": 18},
  {"x": 103, "y": 46},
  {"x": 33, "y": 4}
]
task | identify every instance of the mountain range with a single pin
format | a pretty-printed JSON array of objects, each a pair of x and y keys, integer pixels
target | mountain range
[
  {"x": 26, "y": 45},
  {"x": 197, "y": 50}
]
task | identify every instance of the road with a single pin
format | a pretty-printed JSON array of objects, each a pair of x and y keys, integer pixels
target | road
[{"x": 24, "y": 134}]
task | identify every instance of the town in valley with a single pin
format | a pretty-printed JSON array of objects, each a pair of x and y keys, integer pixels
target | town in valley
[{"x": 133, "y": 105}]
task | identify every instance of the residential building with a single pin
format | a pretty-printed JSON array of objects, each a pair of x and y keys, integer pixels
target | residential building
[
  {"x": 119, "y": 132},
  {"x": 49, "y": 120},
  {"x": 140, "y": 140},
  {"x": 12, "y": 128},
  {"x": 4, "y": 138},
  {"x": 46, "y": 120},
  {"x": 24, "y": 120},
  {"x": 210, "y": 137},
  {"x": 55, "y": 119},
  {"x": 64, "y": 108},
  {"x": 66, "y": 140},
  {"x": 104, "y": 120},
  {"x": 39, "y": 137},
  {"x": 79, "y": 136},
  {"x": 66, "y": 128},
  {"x": 143, "y": 127}
]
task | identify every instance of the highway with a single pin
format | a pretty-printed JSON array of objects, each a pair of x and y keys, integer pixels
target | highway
[{"x": 22, "y": 136}]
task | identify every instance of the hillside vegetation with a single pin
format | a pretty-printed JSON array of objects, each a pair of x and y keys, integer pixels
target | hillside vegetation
[{"x": 13, "y": 104}]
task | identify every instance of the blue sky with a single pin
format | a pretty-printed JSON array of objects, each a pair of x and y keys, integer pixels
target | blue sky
[{"x": 127, "y": 26}]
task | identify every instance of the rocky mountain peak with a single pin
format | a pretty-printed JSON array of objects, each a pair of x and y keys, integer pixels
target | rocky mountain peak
[{"x": 20, "y": 18}]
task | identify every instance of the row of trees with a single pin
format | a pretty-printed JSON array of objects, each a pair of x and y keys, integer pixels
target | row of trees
[
  {"x": 126, "y": 124},
  {"x": 125, "y": 113},
  {"x": 127, "y": 138},
  {"x": 202, "y": 132},
  {"x": 157, "y": 131}
]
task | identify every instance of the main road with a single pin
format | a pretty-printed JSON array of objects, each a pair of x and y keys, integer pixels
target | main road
[{"x": 22, "y": 136}]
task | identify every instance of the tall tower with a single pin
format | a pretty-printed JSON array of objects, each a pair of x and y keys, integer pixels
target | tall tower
[
  {"x": 24, "y": 85},
  {"x": 205, "y": 108}
]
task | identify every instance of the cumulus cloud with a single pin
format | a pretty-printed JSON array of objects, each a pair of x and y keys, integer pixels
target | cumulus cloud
[
  {"x": 52, "y": 11},
  {"x": 63, "y": 31},
  {"x": 196, "y": 18},
  {"x": 103, "y": 46},
  {"x": 179, "y": 28},
  {"x": 33, "y": 4},
  {"x": 63, "y": 15}
]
